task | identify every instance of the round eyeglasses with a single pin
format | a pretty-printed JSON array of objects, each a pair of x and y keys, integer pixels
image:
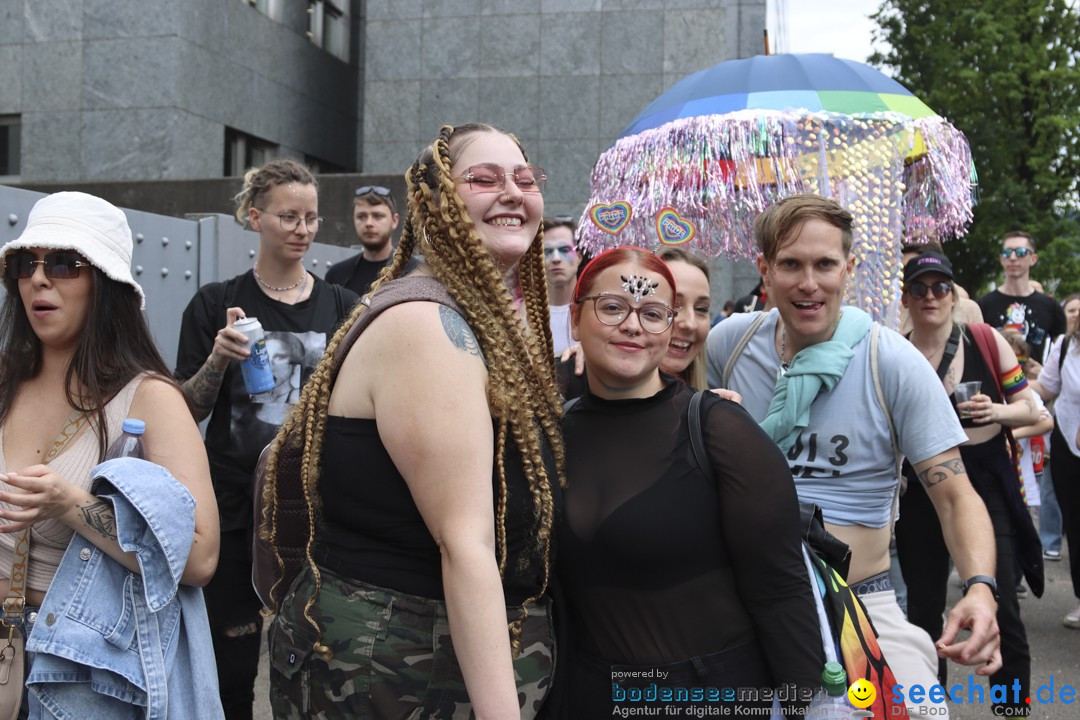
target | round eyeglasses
[
  {"x": 290, "y": 221},
  {"x": 654, "y": 318}
]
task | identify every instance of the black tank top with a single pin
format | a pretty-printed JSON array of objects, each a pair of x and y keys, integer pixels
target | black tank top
[
  {"x": 372, "y": 531},
  {"x": 975, "y": 368}
]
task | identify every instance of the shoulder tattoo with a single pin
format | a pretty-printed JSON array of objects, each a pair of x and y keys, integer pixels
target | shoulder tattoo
[
  {"x": 941, "y": 472},
  {"x": 459, "y": 332}
]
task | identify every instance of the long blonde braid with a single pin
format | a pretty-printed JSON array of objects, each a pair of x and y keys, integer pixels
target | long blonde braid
[{"x": 522, "y": 393}]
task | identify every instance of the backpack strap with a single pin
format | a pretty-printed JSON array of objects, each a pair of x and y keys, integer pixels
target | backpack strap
[
  {"x": 740, "y": 346},
  {"x": 879, "y": 393},
  {"x": 395, "y": 292},
  {"x": 983, "y": 335},
  {"x": 697, "y": 437},
  {"x": 1061, "y": 354}
]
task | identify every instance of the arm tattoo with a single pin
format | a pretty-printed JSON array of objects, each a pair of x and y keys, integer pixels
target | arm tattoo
[
  {"x": 941, "y": 472},
  {"x": 202, "y": 389},
  {"x": 99, "y": 516},
  {"x": 459, "y": 332}
]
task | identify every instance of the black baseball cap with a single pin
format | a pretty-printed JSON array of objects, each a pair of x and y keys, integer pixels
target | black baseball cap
[{"x": 928, "y": 262}]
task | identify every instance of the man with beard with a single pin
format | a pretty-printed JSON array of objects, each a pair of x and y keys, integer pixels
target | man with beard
[{"x": 375, "y": 218}]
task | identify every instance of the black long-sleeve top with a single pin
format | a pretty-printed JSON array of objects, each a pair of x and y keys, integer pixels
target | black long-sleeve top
[{"x": 659, "y": 563}]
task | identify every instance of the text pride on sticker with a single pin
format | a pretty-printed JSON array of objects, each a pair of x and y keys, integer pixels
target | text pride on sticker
[
  {"x": 612, "y": 218},
  {"x": 672, "y": 229}
]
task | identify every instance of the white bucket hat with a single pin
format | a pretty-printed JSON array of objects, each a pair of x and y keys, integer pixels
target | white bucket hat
[{"x": 96, "y": 229}]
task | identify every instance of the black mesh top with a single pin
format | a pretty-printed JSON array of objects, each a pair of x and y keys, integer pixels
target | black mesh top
[{"x": 660, "y": 564}]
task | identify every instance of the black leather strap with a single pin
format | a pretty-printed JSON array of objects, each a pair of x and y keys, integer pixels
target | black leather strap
[{"x": 985, "y": 580}]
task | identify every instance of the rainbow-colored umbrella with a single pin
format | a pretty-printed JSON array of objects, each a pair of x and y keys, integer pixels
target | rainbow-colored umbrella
[{"x": 705, "y": 158}]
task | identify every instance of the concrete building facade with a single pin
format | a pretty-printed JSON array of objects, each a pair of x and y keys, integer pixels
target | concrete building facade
[
  {"x": 566, "y": 76},
  {"x": 114, "y": 91},
  {"x": 154, "y": 89}
]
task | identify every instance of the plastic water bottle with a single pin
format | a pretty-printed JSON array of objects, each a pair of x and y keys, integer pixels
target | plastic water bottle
[
  {"x": 832, "y": 703},
  {"x": 130, "y": 443}
]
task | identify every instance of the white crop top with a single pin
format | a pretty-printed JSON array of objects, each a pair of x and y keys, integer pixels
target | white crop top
[{"x": 49, "y": 538}]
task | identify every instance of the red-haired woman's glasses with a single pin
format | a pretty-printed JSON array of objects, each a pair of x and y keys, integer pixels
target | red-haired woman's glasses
[
  {"x": 613, "y": 310},
  {"x": 490, "y": 177},
  {"x": 63, "y": 265},
  {"x": 940, "y": 289}
]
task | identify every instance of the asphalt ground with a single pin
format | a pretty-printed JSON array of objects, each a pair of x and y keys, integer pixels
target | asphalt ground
[{"x": 1055, "y": 653}]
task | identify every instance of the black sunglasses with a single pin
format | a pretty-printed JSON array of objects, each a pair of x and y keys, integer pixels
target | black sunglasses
[
  {"x": 940, "y": 289},
  {"x": 62, "y": 265},
  {"x": 1020, "y": 252}
]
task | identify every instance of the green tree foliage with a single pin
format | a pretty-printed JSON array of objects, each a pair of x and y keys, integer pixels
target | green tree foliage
[{"x": 1006, "y": 73}]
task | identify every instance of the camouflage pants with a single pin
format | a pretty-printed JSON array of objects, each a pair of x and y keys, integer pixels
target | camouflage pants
[{"x": 392, "y": 656}]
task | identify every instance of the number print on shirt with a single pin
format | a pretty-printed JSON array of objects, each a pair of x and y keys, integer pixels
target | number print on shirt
[{"x": 830, "y": 450}]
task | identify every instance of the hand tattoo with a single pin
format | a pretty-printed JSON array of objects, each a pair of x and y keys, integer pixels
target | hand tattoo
[
  {"x": 99, "y": 516},
  {"x": 941, "y": 472}
]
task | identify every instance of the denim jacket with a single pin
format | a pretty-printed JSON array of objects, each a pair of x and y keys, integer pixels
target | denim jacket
[{"x": 111, "y": 643}]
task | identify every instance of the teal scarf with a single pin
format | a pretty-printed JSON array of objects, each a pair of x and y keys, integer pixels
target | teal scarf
[{"x": 812, "y": 369}]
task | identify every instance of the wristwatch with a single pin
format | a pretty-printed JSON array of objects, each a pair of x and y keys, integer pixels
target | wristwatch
[{"x": 986, "y": 580}]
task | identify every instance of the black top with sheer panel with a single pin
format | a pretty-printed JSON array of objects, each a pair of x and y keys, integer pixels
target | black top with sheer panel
[{"x": 659, "y": 563}]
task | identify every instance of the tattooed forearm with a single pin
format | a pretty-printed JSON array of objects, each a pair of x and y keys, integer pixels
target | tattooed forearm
[
  {"x": 202, "y": 389},
  {"x": 99, "y": 516},
  {"x": 459, "y": 331},
  {"x": 941, "y": 472}
]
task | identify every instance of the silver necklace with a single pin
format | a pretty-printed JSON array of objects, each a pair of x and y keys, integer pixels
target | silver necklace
[{"x": 268, "y": 286}]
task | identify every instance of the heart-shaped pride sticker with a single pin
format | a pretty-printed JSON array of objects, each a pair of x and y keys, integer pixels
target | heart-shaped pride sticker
[
  {"x": 612, "y": 218},
  {"x": 672, "y": 229}
]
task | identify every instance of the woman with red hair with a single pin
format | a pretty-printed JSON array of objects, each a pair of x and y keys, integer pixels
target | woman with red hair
[{"x": 678, "y": 578}]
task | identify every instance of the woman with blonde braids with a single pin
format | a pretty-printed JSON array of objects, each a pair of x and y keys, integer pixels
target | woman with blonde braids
[{"x": 431, "y": 468}]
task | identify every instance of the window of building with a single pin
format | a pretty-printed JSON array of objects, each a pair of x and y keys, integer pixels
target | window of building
[
  {"x": 10, "y": 144},
  {"x": 269, "y": 8},
  {"x": 243, "y": 151},
  {"x": 328, "y": 26}
]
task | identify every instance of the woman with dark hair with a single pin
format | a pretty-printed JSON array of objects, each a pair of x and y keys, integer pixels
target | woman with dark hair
[
  {"x": 280, "y": 201},
  {"x": 431, "y": 465},
  {"x": 76, "y": 359},
  {"x": 677, "y": 576}
]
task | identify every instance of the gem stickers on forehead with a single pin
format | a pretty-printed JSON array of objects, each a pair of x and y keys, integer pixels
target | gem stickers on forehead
[{"x": 639, "y": 287}]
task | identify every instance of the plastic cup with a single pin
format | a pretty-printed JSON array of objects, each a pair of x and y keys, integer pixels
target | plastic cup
[{"x": 966, "y": 391}]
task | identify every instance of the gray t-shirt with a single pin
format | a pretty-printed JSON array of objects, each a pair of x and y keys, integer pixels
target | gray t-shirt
[{"x": 844, "y": 460}]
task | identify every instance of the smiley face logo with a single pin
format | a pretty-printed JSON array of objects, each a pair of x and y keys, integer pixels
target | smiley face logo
[{"x": 862, "y": 693}]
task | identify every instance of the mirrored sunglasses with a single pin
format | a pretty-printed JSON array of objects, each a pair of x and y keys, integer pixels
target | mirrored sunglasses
[
  {"x": 940, "y": 289},
  {"x": 61, "y": 265},
  {"x": 1020, "y": 252}
]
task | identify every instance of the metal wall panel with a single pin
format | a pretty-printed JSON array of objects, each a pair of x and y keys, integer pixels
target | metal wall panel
[{"x": 173, "y": 257}]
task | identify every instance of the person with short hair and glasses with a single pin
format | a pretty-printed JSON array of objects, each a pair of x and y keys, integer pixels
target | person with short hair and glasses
[
  {"x": 375, "y": 218},
  {"x": 1018, "y": 305},
  {"x": 280, "y": 202}
]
